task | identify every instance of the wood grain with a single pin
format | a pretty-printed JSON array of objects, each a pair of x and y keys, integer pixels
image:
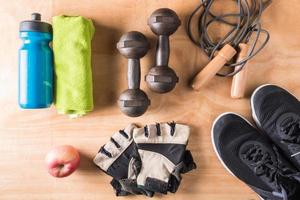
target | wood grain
[
  {"x": 27, "y": 135},
  {"x": 239, "y": 80}
]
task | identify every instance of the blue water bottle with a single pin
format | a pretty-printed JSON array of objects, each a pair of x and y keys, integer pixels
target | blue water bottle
[{"x": 35, "y": 64}]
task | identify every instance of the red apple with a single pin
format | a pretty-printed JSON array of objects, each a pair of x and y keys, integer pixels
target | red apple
[{"x": 62, "y": 161}]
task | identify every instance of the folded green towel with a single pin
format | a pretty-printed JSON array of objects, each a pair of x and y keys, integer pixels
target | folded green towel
[{"x": 72, "y": 37}]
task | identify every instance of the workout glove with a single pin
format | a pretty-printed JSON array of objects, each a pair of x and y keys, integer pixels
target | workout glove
[
  {"x": 162, "y": 156},
  {"x": 115, "y": 159},
  {"x": 156, "y": 162}
]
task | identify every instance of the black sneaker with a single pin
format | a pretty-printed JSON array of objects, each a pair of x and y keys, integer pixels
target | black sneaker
[
  {"x": 277, "y": 113},
  {"x": 251, "y": 157}
]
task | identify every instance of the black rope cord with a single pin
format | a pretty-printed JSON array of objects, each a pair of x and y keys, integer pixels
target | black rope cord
[{"x": 249, "y": 14}]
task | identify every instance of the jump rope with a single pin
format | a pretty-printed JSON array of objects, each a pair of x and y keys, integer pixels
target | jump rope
[{"x": 237, "y": 39}]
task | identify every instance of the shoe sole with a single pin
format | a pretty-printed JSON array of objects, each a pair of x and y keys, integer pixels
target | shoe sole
[
  {"x": 254, "y": 116},
  {"x": 214, "y": 145}
]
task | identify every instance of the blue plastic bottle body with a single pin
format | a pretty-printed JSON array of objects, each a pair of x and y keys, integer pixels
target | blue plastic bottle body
[{"x": 35, "y": 70}]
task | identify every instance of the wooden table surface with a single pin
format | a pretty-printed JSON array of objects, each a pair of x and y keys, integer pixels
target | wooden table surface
[{"x": 27, "y": 135}]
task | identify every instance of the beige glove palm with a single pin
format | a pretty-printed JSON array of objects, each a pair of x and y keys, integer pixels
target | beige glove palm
[{"x": 161, "y": 148}]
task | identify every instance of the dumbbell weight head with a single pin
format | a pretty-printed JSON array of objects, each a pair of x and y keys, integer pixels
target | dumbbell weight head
[
  {"x": 161, "y": 79},
  {"x": 133, "y": 101},
  {"x": 133, "y": 45},
  {"x": 164, "y": 21}
]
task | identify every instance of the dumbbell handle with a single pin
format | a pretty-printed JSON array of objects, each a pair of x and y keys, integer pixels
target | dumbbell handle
[
  {"x": 162, "y": 51},
  {"x": 134, "y": 73}
]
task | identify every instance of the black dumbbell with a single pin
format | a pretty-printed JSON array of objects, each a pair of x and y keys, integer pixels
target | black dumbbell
[
  {"x": 161, "y": 78},
  {"x": 133, "y": 101}
]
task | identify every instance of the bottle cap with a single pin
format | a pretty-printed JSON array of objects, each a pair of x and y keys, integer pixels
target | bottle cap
[{"x": 35, "y": 24}]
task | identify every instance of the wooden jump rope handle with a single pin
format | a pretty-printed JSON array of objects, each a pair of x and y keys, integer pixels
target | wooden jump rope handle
[
  {"x": 239, "y": 80},
  {"x": 212, "y": 68}
]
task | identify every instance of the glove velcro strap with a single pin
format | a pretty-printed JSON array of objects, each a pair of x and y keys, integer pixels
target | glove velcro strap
[
  {"x": 118, "y": 188},
  {"x": 173, "y": 184},
  {"x": 156, "y": 185},
  {"x": 130, "y": 185},
  {"x": 188, "y": 162}
]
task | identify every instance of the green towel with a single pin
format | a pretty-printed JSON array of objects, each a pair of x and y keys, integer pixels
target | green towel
[{"x": 72, "y": 37}]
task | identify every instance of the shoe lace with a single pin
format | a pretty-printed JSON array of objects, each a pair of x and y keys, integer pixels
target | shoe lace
[
  {"x": 261, "y": 161},
  {"x": 290, "y": 129},
  {"x": 263, "y": 165}
]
